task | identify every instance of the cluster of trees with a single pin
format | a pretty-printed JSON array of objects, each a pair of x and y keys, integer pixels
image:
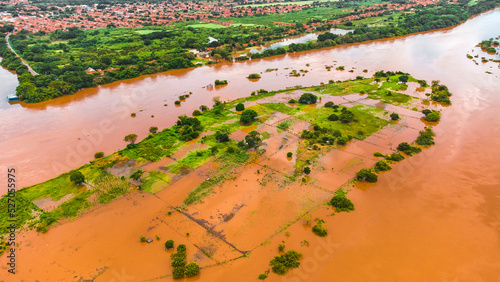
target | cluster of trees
[
  {"x": 408, "y": 149},
  {"x": 179, "y": 264},
  {"x": 281, "y": 264},
  {"x": 188, "y": 128},
  {"x": 325, "y": 136},
  {"x": 247, "y": 116},
  {"x": 340, "y": 202},
  {"x": 320, "y": 229},
  {"x": 426, "y": 137},
  {"x": 440, "y": 93},
  {"x": 432, "y": 116}
]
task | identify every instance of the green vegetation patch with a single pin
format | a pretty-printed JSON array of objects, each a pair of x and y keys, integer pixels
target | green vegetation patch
[
  {"x": 155, "y": 181},
  {"x": 282, "y": 264},
  {"x": 154, "y": 147},
  {"x": 365, "y": 121},
  {"x": 192, "y": 160},
  {"x": 340, "y": 202},
  {"x": 390, "y": 97}
]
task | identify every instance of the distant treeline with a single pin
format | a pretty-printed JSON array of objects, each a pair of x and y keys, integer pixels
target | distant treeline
[{"x": 427, "y": 18}]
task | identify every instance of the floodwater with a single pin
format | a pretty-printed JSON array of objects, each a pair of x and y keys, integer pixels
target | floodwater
[{"x": 435, "y": 216}]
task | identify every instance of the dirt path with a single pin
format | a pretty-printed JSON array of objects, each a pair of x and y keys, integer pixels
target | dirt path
[{"x": 31, "y": 70}]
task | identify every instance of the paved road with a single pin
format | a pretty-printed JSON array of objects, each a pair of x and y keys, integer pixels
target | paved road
[{"x": 32, "y": 71}]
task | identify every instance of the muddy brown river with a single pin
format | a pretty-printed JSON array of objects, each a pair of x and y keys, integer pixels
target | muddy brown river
[{"x": 434, "y": 217}]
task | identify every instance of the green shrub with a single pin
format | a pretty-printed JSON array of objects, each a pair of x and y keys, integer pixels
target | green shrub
[
  {"x": 137, "y": 174},
  {"x": 378, "y": 154},
  {"x": 308, "y": 98},
  {"x": 196, "y": 113},
  {"x": 426, "y": 137},
  {"x": 281, "y": 264},
  {"x": 240, "y": 107},
  {"x": 262, "y": 276},
  {"x": 408, "y": 149},
  {"x": 178, "y": 272},
  {"x": 333, "y": 117},
  {"x": 77, "y": 177},
  {"x": 346, "y": 116},
  {"x": 382, "y": 166},
  {"x": 177, "y": 102},
  {"x": 98, "y": 155},
  {"x": 169, "y": 244},
  {"x": 181, "y": 248},
  {"x": 433, "y": 116},
  {"x": 341, "y": 203},
  {"x": 143, "y": 239},
  {"x": 178, "y": 261},
  {"x": 281, "y": 247},
  {"x": 289, "y": 154},
  {"x": 320, "y": 229},
  {"x": 192, "y": 269},
  {"x": 394, "y": 116},
  {"x": 329, "y": 104},
  {"x": 292, "y": 101},
  {"x": 342, "y": 140},
  {"x": 220, "y": 82},
  {"x": 254, "y": 76},
  {"x": 397, "y": 157},
  {"x": 222, "y": 135},
  {"x": 307, "y": 170},
  {"x": 367, "y": 174},
  {"x": 248, "y": 116}
]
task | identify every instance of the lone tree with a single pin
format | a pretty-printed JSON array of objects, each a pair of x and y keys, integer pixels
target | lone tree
[
  {"x": 131, "y": 138},
  {"x": 153, "y": 129},
  {"x": 169, "y": 244},
  {"x": 253, "y": 139},
  {"x": 366, "y": 174},
  {"x": 308, "y": 98},
  {"x": 192, "y": 269},
  {"x": 394, "y": 116},
  {"x": 248, "y": 116},
  {"x": 77, "y": 177},
  {"x": 222, "y": 135},
  {"x": 240, "y": 107}
]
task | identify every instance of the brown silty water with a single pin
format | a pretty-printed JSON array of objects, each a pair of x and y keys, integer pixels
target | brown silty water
[{"x": 434, "y": 216}]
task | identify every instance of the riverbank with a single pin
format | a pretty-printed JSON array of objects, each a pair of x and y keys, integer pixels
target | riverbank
[{"x": 91, "y": 70}]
